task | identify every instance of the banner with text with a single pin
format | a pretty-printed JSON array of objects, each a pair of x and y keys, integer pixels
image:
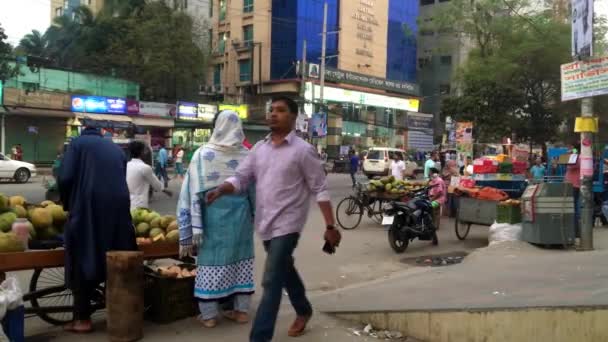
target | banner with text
[{"x": 584, "y": 79}]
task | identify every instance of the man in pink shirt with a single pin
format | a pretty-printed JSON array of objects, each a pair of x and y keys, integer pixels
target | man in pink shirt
[
  {"x": 287, "y": 172},
  {"x": 438, "y": 194}
]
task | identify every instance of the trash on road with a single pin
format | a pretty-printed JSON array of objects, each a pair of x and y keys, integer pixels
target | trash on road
[{"x": 369, "y": 330}]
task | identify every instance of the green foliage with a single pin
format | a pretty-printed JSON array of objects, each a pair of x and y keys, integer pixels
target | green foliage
[
  {"x": 6, "y": 51},
  {"x": 147, "y": 43}
]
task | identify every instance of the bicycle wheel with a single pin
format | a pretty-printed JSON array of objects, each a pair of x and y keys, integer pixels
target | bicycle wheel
[
  {"x": 52, "y": 301},
  {"x": 376, "y": 214},
  {"x": 349, "y": 213}
]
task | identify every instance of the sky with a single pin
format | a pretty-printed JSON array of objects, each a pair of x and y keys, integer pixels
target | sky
[{"x": 19, "y": 17}]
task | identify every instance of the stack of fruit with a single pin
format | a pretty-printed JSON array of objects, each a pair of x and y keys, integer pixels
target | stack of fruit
[
  {"x": 151, "y": 227},
  {"x": 176, "y": 271},
  {"x": 393, "y": 186},
  {"x": 46, "y": 221}
]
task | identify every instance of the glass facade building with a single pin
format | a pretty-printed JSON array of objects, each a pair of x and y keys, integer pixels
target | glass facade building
[
  {"x": 294, "y": 21},
  {"x": 401, "y": 42}
]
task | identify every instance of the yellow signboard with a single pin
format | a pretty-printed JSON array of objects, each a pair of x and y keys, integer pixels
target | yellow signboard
[
  {"x": 586, "y": 124},
  {"x": 241, "y": 110}
]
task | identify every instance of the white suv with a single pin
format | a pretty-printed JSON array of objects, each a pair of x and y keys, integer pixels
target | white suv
[
  {"x": 20, "y": 171},
  {"x": 379, "y": 159}
]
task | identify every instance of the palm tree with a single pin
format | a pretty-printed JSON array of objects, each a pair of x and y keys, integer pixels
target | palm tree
[
  {"x": 34, "y": 44},
  {"x": 68, "y": 35}
]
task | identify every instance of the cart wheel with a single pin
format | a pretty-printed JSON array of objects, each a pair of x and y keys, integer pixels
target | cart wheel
[
  {"x": 462, "y": 229},
  {"x": 376, "y": 214},
  {"x": 52, "y": 278},
  {"x": 349, "y": 213},
  {"x": 58, "y": 296}
]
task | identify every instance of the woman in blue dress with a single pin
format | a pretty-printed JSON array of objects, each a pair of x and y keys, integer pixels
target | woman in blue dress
[{"x": 221, "y": 234}]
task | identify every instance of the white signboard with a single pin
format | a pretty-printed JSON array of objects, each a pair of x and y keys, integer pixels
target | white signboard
[
  {"x": 156, "y": 109},
  {"x": 584, "y": 78},
  {"x": 582, "y": 28}
]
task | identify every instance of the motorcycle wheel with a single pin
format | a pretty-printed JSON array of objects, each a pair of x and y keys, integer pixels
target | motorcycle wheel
[{"x": 396, "y": 242}]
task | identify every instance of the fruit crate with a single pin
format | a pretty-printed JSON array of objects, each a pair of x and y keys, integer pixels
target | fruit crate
[
  {"x": 168, "y": 299},
  {"x": 508, "y": 214}
]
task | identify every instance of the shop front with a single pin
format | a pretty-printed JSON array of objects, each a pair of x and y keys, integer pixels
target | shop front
[
  {"x": 154, "y": 120},
  {"x": 37, "y": 121},
  {"x": 109, "y": 114},
  {"x": 361, "y": 119},
  {"x": 193, "y": 126}
]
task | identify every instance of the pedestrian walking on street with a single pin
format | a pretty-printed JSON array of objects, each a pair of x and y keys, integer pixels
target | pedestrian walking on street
[
  {"x": 220, "y": 234},
  {"x": 429, "y": 164},
  {"x": 287, "y": 171},
  {"x": 162, "y": 164},
  {"x": 354, "y": 166},
  {"x": 437, "y": 193},
  {"x": 140, "y": 177},
  {"x": 93, "y": 188},
  {"x": 397, "y": 167},
  {"x": 179, "y": 163}
]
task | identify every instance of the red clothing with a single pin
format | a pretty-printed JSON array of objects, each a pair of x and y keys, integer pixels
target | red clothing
[
  {"x": 573, "y": 174},
  {"x": 440, "y": 190},
  {"x": 247, "y": 144}
]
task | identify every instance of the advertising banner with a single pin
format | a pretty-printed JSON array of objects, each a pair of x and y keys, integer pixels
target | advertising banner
[
  {"x": 464, "y": 132},
  {"x": 206, "y": 112},
  {"x": 242, "y": 110},
  {"x": 318, "y": 125},
  {"x": 157, "y": 109},
  {"x": 89, "y": 104},
  {"x": 132, "y": 107},
  {"x": 582, "y": 28},
  {"x": 116, "y": 105},
  {"x": 420, "y": 122},
  {"x": 584, "y": 78},
  {"x": 187, "y": 110}
]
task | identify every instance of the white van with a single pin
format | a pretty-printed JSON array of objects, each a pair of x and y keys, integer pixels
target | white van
[{"x": 379, "y": 159}]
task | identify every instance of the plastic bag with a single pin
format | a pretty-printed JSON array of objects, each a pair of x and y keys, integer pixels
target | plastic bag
[
  {"x": 501, "y": 232},
  {"x": 10, "y": 296}
]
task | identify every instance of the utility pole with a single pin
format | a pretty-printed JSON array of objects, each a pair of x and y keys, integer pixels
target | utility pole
[
  {"x": 586, "y": 192},
  {"x": 303, "y": 73},
  {"x": 323, "y": 48}
]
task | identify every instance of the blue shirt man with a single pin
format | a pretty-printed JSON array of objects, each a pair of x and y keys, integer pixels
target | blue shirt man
[
  {"x": 162, "y": 157},
  {"x": 538, "y": 171},
  {"x": 161, "y": 172},
  {"x": 354, "y": 166}
]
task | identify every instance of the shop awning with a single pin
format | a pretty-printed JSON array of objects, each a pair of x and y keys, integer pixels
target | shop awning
[
  {"x": 50, "y": 113},
  {"x": 153, "y": 122},
  {"x": 104, "y": 117}
]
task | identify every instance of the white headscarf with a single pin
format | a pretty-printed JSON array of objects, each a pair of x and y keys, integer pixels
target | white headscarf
[{"x": 228, "y": 132}]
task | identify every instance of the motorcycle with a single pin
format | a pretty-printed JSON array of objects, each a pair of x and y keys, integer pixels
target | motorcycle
[{"x": 409, "y": 220}]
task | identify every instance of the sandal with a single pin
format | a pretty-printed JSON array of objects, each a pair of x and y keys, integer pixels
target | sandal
[
  {"x": 208, "y": 323},
  {"x": 237, "y": 316},
  {"x": 79, "y": 327}
]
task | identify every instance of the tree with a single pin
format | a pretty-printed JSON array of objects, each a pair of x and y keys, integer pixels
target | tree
[
  {"x": 34, "y": 44},
  {"x": 6, "y": 51}
]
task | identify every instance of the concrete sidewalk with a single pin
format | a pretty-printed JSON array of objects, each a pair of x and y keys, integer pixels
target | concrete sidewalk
[{"x": 531, "y": 284}]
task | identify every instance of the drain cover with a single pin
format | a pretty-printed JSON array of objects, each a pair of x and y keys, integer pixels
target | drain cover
[{"x": 436, "y": 260}]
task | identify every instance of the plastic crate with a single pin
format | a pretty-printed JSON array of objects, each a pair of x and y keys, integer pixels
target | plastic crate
[
  {"x": 506, "y": 167},
  {"x": 508, "y": 214},
  {"x": 169, "y": 299},
  {"x": 13, "y": 324}
]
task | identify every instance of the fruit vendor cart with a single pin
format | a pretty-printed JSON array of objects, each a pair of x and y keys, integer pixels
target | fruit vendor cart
[
  {"x": 49, "y": 298},
  {"x": 473, "y": 211}
]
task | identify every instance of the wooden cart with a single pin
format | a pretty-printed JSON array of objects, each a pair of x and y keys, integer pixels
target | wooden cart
[
  {"x": 473, "y": 211},
  {"x": 50, "y": 299}
]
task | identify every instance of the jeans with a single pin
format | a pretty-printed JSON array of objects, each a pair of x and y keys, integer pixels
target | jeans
[
  {"x": 161, "y": 173},
  {"x": 210, "y": 309},
  {"x": 279, "y": 273},
  {"x": 352, "y": 176}
]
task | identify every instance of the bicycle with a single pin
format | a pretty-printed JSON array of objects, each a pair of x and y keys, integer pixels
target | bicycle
[{"x": 354, "y": 206}]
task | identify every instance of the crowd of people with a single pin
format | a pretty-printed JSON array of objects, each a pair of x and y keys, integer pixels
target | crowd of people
[{"x": 227, "y": 192}]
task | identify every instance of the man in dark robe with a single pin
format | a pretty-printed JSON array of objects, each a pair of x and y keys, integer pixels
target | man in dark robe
[{"x": 93, "y": 188}]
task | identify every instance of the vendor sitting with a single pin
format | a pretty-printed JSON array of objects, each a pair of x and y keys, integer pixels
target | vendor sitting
[{"x": 437, "y": 193}]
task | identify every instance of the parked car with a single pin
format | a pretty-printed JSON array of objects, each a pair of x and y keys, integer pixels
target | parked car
[
  {"x": 20, "y": 171},
  {"x": 378, "y": 161}
]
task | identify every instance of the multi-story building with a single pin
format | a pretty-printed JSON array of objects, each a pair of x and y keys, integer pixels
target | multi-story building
[
  {"x": 441, "y": 53},
  {"x": 66, "y": 7},
  {"x": 258, "y": 48}
]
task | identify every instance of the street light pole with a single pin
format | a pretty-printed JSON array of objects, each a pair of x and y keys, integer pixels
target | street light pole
[{"x": 323, "y": 48}]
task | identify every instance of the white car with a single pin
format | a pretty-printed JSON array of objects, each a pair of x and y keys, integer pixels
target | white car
[
  {"x": 379, "y": 159},
  {"x": 20, "y": 171}
]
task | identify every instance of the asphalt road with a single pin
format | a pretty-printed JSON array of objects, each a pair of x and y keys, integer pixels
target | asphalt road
[{"x": 364, "y": 254}]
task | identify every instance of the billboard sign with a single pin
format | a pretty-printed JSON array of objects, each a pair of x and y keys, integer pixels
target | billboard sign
[
  {"x": 241, "y": 110},
  {"x": 116, "y": 105},
  {"x": 187, "y": 110},
  {"x": 89, "y": 104},
  {"x": 206, "y": 112},
  {"x": 132, "y": 107},
  {"x": 419, "y": 122},
  {"x": 584, "y": 78},
  {"x": 318, "y": 125},
  {"x": 582, "y": 28},
  {"x": 157, "y": 109}
]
